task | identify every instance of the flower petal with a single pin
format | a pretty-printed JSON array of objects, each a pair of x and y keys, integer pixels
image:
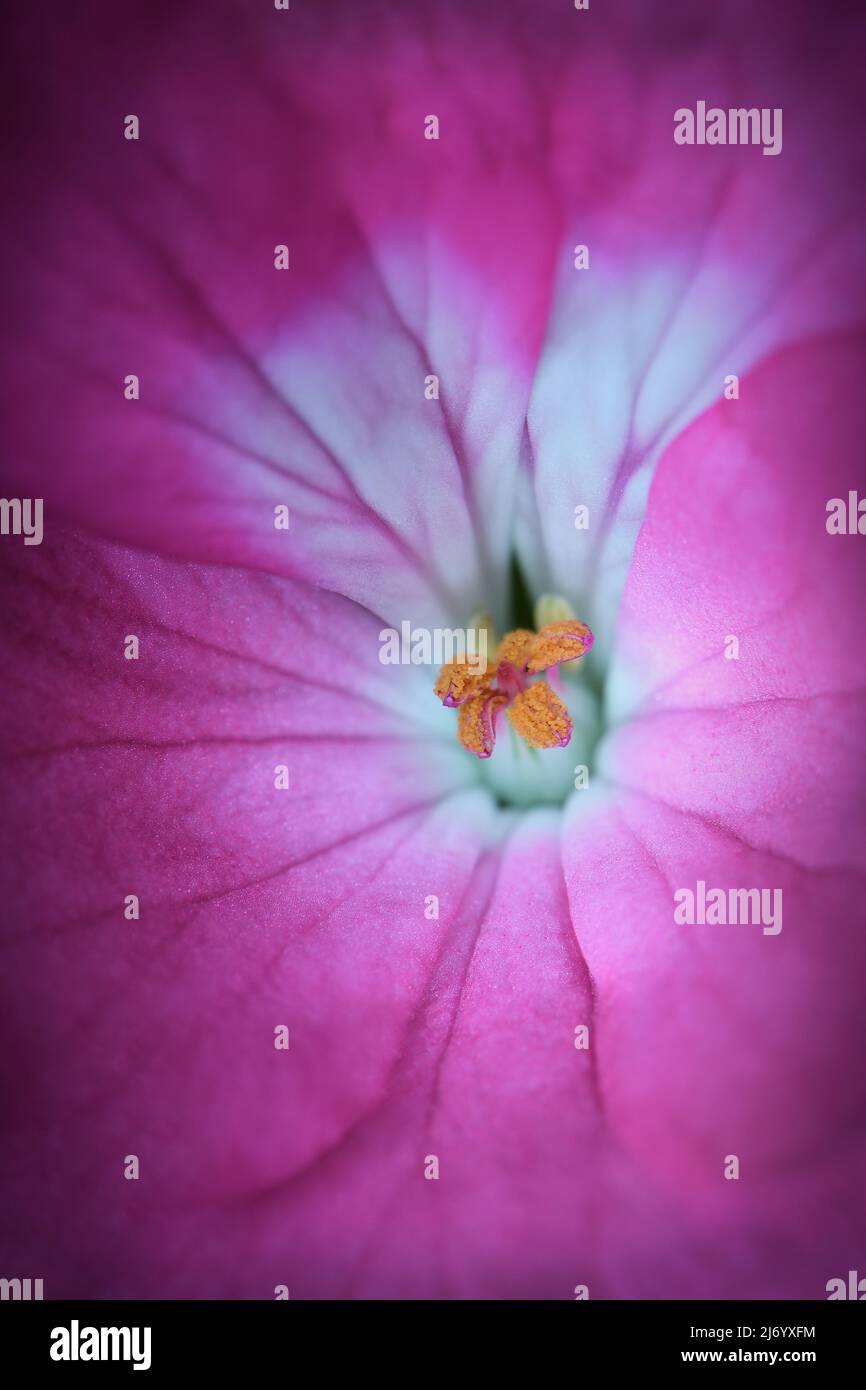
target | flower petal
[
  {"x": 737, "y": 758},
  {"x": 259, "y": 388}
]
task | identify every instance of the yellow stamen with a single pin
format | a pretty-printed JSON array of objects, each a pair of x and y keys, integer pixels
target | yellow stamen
[
  {"x": 557, "y": 642},
  {"x": 475, "y": 727},
  {"x": 535, "y": 711},
  {"x": 551, "y": 608},
  {"x": 515, "y": 647},
  {"x": 540, "y": 717},
  {"x": 457, "y": 681}
]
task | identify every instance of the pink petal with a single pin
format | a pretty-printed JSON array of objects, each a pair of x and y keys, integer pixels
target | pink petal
[{"x": 718, "y": 1040}]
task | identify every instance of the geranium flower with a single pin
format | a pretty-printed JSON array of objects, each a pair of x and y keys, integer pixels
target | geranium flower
[{"x": 377, "y": 1017}]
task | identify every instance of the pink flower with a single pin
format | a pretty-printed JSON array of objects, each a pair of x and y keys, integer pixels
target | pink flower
[{"x": 439, "y": 934}]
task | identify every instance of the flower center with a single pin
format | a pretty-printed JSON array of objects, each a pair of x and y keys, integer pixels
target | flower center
[
  {"x": 518, "y": 775},
  {"x": 480, "y": 691},
  {"x": 520, "y": 711}
]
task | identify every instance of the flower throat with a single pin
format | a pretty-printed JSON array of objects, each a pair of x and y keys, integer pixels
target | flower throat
[{"x": 513, "y": 682}]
